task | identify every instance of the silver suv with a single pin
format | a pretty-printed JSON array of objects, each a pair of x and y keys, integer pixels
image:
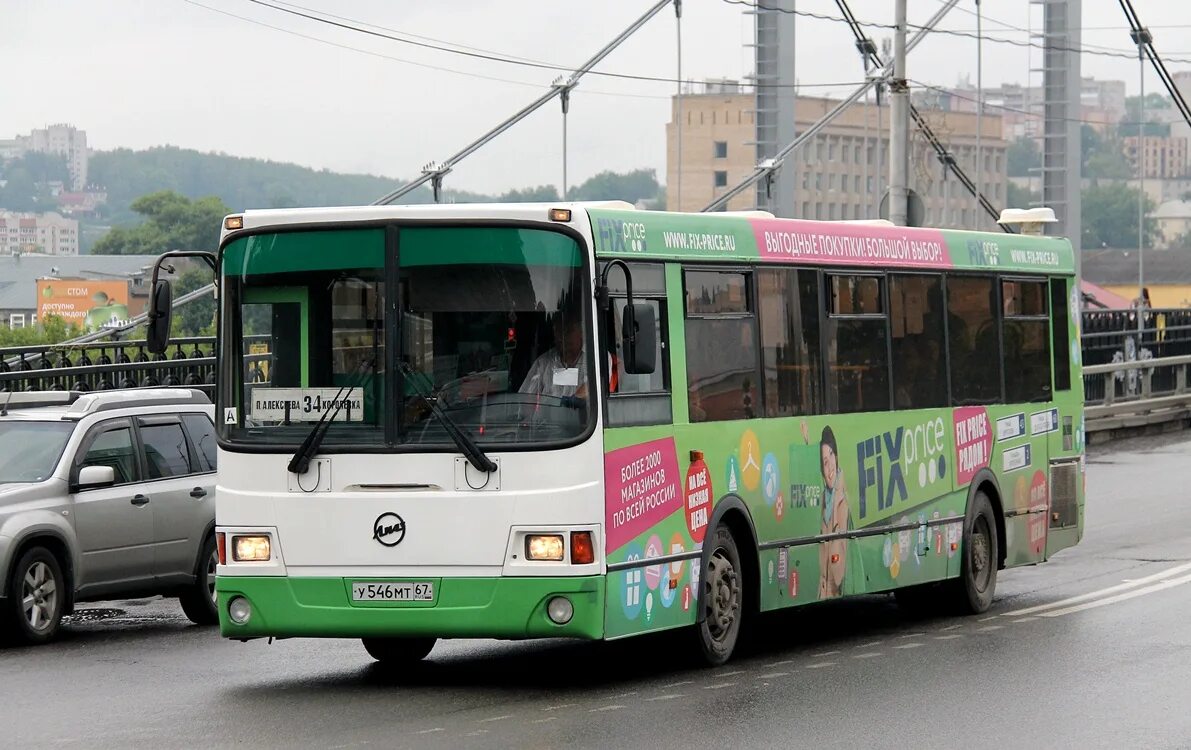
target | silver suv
[{"x": 102, "y": 495}]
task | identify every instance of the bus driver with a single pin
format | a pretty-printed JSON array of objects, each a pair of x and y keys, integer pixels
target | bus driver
[{"x": 559, "y": 372}]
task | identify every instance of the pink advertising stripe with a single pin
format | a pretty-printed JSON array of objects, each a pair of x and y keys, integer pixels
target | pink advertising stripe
[{"x": 794, "y": 241}]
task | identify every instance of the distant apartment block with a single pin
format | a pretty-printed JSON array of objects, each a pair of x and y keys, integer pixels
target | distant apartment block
[
  {"x": 1101, "y": 104},
  {"x": 64, "y": 140},
  {"x": 1165, "y": 156},
  {"x": 48, "y": 234},
  {"x": 843, "y": 171}
]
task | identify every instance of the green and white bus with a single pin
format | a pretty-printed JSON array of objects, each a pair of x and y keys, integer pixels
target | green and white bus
[{"x": 583, "y": 420}]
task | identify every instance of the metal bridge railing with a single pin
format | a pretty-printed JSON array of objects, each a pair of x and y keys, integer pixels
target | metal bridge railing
[
  {"x": 104, "y": 365},
  {"x": 1136, "y": 393}
]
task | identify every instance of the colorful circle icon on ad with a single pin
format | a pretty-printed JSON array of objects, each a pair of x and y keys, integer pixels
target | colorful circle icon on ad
[
  {"x": 771, "y": 478},
  {"x": 632, "y": 588},
  {"x": 653, "y": 573},
  {"x": 732, "y": 475}
]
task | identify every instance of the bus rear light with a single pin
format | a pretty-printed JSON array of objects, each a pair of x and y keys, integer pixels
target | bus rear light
[
  {"x": 221, "y": 547},
  {"x": 582, "y": 550},
  {"x": 254, "y": 548},
  {"x": 544, "y": 547}
]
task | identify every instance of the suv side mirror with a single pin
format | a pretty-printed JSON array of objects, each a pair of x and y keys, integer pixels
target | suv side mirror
[
  {"x": 639, "y": 331},
  {"x": 91, "y": 477},
  {"x": 160, "y": 310}
]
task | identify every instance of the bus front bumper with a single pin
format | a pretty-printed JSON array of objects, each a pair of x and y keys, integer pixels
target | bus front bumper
[{"x": 285, "y": 607}]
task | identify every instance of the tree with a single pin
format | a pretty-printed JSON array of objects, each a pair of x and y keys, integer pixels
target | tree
[
  {"x": 195, "y": 318},
  {"x": 172, "y": 222},
  {"x": 629, "y": 186},
  {"x": 25, "y": 181},
  {"x": 1022, "y": 156},
  {"x": 51, "y": 329},
  {"x": 1109, "y": 217},
  {"x": 539, "y": 194},
  {"x": 1020, "y": 197},
  {"x": 1103, "y": 155}
]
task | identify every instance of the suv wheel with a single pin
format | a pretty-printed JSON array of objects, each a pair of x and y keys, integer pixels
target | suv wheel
[
  {"x": 37, "y": 593},
  {"x": 198, "y": 599}
]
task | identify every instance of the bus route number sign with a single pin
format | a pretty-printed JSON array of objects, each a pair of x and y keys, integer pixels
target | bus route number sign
[{"x": 306, "y": 404}]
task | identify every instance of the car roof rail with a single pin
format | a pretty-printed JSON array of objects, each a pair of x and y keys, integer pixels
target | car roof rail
[
  {"x": 130, "y": 398},
  {"x": 34, "y": 399}
]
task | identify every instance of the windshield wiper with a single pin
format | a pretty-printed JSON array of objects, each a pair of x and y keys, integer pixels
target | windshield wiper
[
  {"x": 474, "y": 454},
  {"x": 300, "y": 461}
]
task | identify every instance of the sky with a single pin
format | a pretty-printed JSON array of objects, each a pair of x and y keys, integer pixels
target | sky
[{"x": 243, "y": 79}]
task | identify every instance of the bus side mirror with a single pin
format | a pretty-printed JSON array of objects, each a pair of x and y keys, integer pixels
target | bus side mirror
[
  {"x": 160, "y": 309},
  {"x": 639, "y": 331}
]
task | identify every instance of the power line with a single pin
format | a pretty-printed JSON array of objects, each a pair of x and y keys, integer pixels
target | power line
[
  {"x": 1036, "y": 115},
  {"x": 1083, "y": 49},
  {"x": 481, "y": 76}
]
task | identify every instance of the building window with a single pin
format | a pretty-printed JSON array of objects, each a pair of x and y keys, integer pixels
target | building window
[
  {"x": 856, "y": 183},
  {"x": 720, "y": 178},
  {"x": 831, "y": 181},
  {"x": 720, "y": 149},
  {"x": 831, "y": 151},
  {"x": 16, "y": 320}
]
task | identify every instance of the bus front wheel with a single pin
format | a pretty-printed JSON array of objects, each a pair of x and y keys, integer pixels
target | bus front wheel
[
  {"x": 398, "y": 650},
  {"x": 721, "y": 599}
]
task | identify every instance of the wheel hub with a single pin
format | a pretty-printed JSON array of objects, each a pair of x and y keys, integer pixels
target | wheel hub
[
  {"x": 723, "y": 595},
  {"x": 39, "y": 596}
]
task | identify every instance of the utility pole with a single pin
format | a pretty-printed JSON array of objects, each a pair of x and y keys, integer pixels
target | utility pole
[
  {"x": 979, "y": 105},
  {"x": 1141, "y": 37},
  {"x": 899, "y": 130},
  {"x": 678, "y": 123}
]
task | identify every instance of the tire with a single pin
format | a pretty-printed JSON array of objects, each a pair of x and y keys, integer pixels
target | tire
[
  {"x": 37, "y": 596},
  {"x": 399, "y": 650},
  {"x": 721, "y": 599},
  {"x": 198, "y": 599},
  {"x": 972, "y": 593}
]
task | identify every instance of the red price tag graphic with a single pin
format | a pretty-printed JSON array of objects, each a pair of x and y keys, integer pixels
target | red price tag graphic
[{"x": 698, "y": 497}]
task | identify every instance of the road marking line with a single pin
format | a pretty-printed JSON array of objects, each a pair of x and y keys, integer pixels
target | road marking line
[
  {"x": 912, "y": 635},
  {"x": 609, "y": 707},
  {"x": 949, "y": 637},
  {"x": 871, "y": 644},
  {"x": 559, "y": 706},
  {"x": 772, "y": 675},
  {"x": 496, "y": 718},
  {"x": 1120, "y": 597},
  {"x": 950, "y": 627},
  {"x": 989, "y": 628},
  {"x": 719, "y": 686},
  {"x": 624, "y": 695},
  {"x": 680, "y": 682},
  {"x": 909, "y": 645},
  {"x": 543, "y": 721},
  {"x": 431, "y": 731},
  {"x": 820, "y": 665},
  {"x": 986, "y": 619},
  {"x": 826, "y": 653},
  {"x": 730, "y": 674},
  {"x": 1026, "y": 619},
  {"x": 779, "y": 663},
  {"x": 869, "y": 655},
  {"x": 666, "y": 697},
  {"x": 476, "y": 733},
  {"x": 1134, "y": 583}
]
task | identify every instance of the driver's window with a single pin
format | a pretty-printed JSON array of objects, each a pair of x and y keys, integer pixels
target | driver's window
[
  {"x": 113, "y": 447},
  {"x": 638, "y": 399}
]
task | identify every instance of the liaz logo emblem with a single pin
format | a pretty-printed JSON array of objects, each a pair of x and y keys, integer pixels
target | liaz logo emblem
[{"x": 388, "y": 529}]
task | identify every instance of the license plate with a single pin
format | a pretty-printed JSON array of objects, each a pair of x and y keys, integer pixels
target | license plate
[{"x": 392, "y": 591}]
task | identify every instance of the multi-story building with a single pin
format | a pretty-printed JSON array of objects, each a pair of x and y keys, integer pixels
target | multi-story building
[
  {"x": 64, "y": 140},
  {"x": 1165, "y": 156},
  {"x": 843, "y": 172},
  {"x": 48, "y": 234},
  {"x": 1102, "y": 104}
]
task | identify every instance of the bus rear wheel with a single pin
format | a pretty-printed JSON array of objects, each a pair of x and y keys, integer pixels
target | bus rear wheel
[
  {"x": 721, "y": 599},
  {"x": 972, "y": 593},
  {"x": 398, "y": 650}
]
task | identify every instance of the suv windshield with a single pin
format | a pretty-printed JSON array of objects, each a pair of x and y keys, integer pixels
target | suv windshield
[
  {"x": 488, "y": 323},
  {"x": 29, "y": 451}
]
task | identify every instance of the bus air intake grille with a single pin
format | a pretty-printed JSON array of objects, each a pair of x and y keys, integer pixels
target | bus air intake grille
[{"x": 1064, "y": 504}]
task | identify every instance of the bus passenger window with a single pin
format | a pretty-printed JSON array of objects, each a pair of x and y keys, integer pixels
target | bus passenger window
[
  {"x": 916, "y": 323},
  {"x": 721, "y": 347},
  {"x": 788, "y": 302},
  {"x": 1060, "y": 333},
  {"x": 1026, "y": 339},
  {"x": 972, "y": 340},
  {"x": 857, "y": 337},
  {"x": 644, "y": 398}
]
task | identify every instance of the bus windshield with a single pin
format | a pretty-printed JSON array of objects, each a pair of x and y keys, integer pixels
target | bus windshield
[{"x": 486, "y": 323}]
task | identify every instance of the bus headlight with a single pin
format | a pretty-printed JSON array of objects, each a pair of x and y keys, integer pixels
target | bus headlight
[
  {"x": 544, "y": 547},
  {"x": 254, "y": 548}
]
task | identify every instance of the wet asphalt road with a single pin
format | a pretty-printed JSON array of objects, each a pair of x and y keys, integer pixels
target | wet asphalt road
[{"x": 1111, "y": 670}]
